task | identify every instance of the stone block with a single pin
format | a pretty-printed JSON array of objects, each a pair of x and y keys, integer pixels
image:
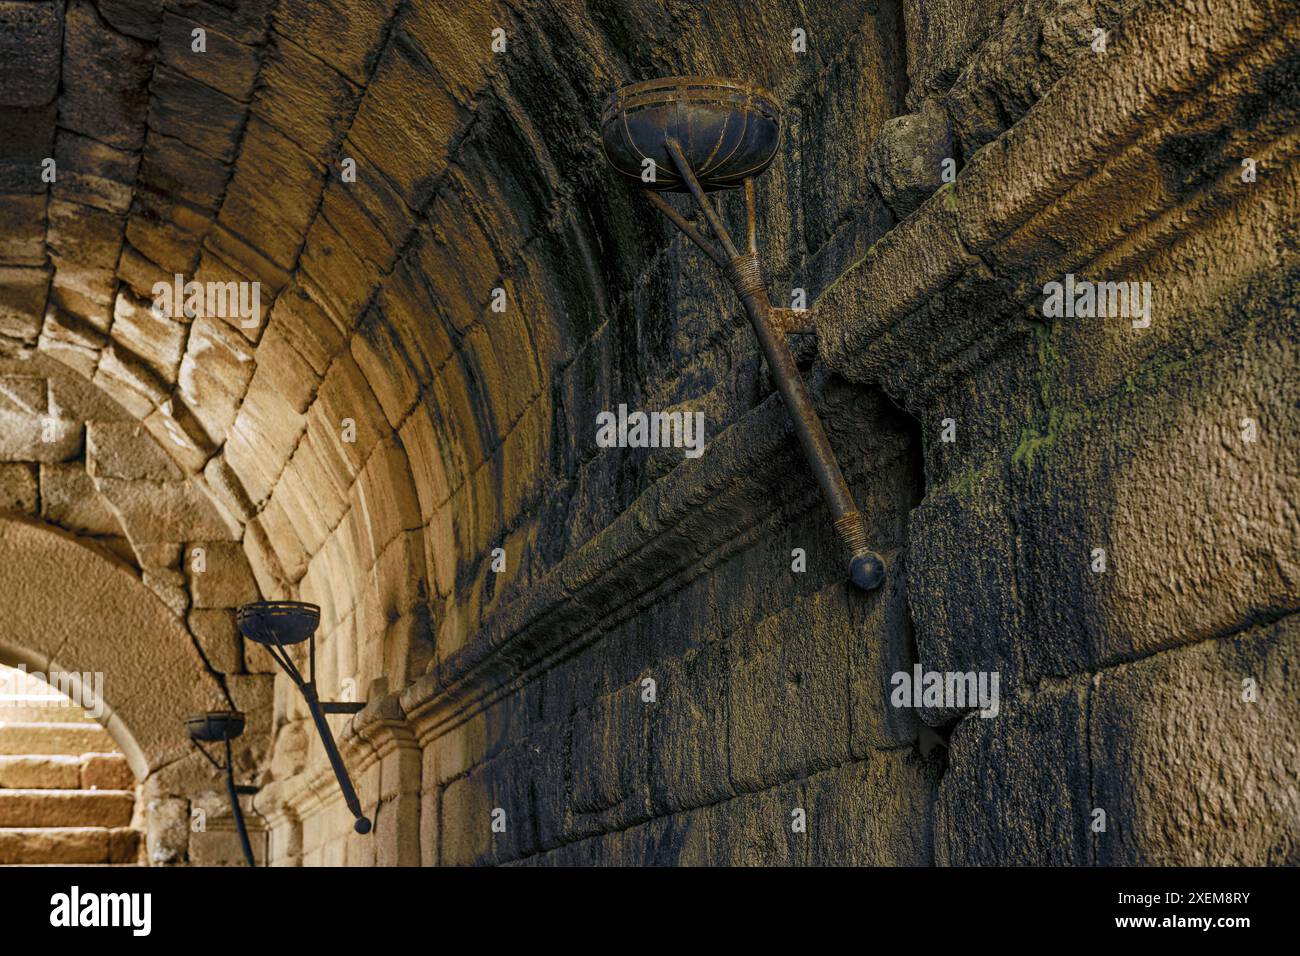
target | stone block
[
  {"x": 1017, "y": 790},
  {"x": 69, "y": 499},
  {"x": 174, "y": 168},
  {"x": 306, "y": 99},
  {"x": 845, "y": 110},
  {"x": 905, "y": 162},
  {"x": 219, "y": 639},
  {"x": 225, "y": 580},
  {"x": 22, "y": 221},
  {"x": 105, "y": 80},
  {"x": 221, "y": 847},
  {"x": 135, "y": 18},
  {"x": 1195, "y": 756},
  {"x": 30, "y": 52},
  {"x": 176, "y": 98},
  {"x": 106, "y": 772},
  {"x": 214, "y": 374},
  {"x": 788, "y": 708},
  {"x": 874, "y": 813},
  {"x": 688, "y": 730},
  {"x": 343, "y": 34},
  {"x": 19, "y": 488},
  {"x": 22, "y": 301},
  {"x": 273, "y": 194},
  {"x": 126, "y": 450},
  {"x": 224, "y": 64},
  {"x": 167, "y": 830}
]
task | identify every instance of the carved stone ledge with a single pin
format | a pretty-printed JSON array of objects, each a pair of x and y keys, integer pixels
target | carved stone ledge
[
  {"x": 1114, "y": 164},
  {"x": 693, "y": 518}
]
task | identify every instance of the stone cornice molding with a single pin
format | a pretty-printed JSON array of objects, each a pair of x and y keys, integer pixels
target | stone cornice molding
[
  {"x": 1087, "y": 180},
  {"x": 694, "y": 517}
]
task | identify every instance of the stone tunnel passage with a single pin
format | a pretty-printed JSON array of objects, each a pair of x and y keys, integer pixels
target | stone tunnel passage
[{"x": 409, "y": 285}]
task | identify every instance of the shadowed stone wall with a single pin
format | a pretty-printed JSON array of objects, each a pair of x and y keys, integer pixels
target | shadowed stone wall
[{"x": 577, "y": 654}]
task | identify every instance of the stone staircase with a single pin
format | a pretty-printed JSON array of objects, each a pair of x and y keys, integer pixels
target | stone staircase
[{"x": 67, "y": 795}]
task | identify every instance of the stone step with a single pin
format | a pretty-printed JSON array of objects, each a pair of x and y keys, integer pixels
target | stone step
[
  {"x": 52, "y": 846},
  {"x": 11, "y": 713},
  {"x": 24, "y": 739},
  {"x": 45, "y": 772},
  {"x": 66, "y": 808},
  {"x": 64, "y": 772}
]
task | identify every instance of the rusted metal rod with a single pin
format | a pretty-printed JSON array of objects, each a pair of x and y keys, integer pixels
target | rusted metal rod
[
  {"x": 751, "y": 215},
  {"x": 866, "y": 567},
  {"x": 682, "y": 223},
  {"x": 237, "y": 812}
]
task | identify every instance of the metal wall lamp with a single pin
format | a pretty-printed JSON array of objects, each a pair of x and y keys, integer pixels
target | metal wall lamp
[
  {"x": 699, "y": 134},
  {"x": 224, "y": 726},
  {"x": 277, "y": 625}
]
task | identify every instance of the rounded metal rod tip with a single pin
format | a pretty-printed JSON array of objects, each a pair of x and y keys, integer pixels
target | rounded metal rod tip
[
  {"x": 362, "y": 825},
  {"x": 867, "y": 570}
]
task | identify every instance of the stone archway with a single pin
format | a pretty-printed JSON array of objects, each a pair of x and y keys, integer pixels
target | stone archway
[{"x": 68, "y": 607}]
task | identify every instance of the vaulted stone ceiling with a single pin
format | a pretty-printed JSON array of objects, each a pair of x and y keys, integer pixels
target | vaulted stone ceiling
[
  {"x": 382, "y": 428},
  {"x": 452, "y": 284}
]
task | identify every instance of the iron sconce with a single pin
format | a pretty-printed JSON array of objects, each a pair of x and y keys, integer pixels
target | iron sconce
[
  {"x": 278, "y": 625},
  {"x": 698, "y": 135},
  {"x": 223, "y": 726}
]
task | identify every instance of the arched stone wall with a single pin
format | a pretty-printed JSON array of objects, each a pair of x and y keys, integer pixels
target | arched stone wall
[{"x": 67, "y": 607}]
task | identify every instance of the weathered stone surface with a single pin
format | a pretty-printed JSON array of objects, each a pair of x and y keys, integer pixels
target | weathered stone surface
[
  {"x": 22, "y": 301},
  {"x": 165, "y": 233},
  {"x": 84, "y": 244},
  {"x": 30, "y": 36},
  {"x": 1017, "y": 788},
  {"x": 94, "y": 174},
  {"x": 274, "y": 193},
  {"x": 178, "y": 169},
  {"x": 68, "y": 845},
  {"x": 19, "y": 490},
  {"x": 65, "y": 808},
  {"x": 1170, "y": 798},
  {"x": 941, "y": 36},
  {"x": 133, "y": 383},
  {"x": 305, "y": 99},
  {"x": 847, "y": 107},
  {"x": 20, "y": 219},
  {"x": 906, "y": 161},
  {"x": 72, "y": 341},
  {"x": 106, "y": 772},
  {"x": 176, "y": 97},
  {"x": 221, "y": 847},
  {"x": 167, "y": 834},
  {"x": 225, "y": 580},
  {"x": 344, "y": 35},
  {"x": 124, "y": 450},
  {"x": 214, "y": 373},
  {"x": 154, "y": 512},
  {"x": 136, "y": 18},
  {"x": 223, "y": 63},
  {"x": 48, "y": 772},
  {"x": 69, "y": 499},
  {"x": 105, "y": 80},
  {"x": 214, "y": 629}
]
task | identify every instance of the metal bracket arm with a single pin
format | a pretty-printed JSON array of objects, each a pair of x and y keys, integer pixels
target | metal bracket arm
[{"x": 866, "y": 567}]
